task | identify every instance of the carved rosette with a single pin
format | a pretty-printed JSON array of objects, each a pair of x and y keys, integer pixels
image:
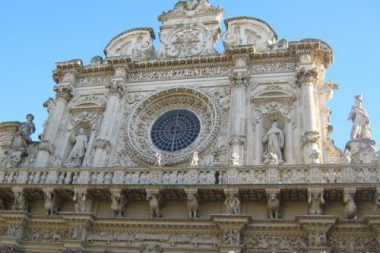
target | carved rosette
[
  {"x": 64, "y": 91},
  {"x": 138, "y": 134},
  {"x": 307, "y": 76}
]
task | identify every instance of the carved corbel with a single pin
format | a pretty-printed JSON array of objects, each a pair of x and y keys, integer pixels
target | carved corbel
[
  {"x": 83, "y": 201},
  {"x": 273, "y": 203},
  {"x": 315, "y": 201},
  {"x": 192, "y": 203},
  {"x": 53, "y": 201},
  {"x": 119, "y": 202},
  {"x": 155, "y": 201},
  {"x": 21, "y": 202},
  {"x": 350, "y": 208},
  {"x": 232, "y": 201}
]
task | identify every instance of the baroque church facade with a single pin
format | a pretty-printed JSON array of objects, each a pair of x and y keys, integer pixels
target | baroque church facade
[{"x": 186, "y": 149}]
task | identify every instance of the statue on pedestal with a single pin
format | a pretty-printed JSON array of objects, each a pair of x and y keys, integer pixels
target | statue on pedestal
[
  {"x": 76, "y": 155},
  {"x": 195, "y": 160},
  {"x": 23, "y": 135},
  {"x": 232, "y": 204},
  {"x": 274, "y": 142},
  {"x": 360, "y": 120},
  {"x": 361, "y": 147}
]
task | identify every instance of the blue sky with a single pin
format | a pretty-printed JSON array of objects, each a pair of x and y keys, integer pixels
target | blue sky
[{"x": 36, "y": 34}]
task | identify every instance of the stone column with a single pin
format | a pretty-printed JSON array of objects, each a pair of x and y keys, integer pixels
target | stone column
[
  {"x": 317, "y": 228},
  {"x": 232, "y": 227},
  {"x": 306, "y": 79},
  {"x": 107, "y": 130},
  {"x": 64, "y": 93},
  {"x": 239, "y": 78}
]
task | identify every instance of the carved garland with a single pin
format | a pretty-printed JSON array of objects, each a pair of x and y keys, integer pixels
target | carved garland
[{"x": 142, "y": 118}]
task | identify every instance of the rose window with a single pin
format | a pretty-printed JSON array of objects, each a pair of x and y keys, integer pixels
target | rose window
[{"x": 175, "y": 130}]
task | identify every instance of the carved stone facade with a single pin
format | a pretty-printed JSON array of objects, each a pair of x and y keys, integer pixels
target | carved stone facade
[{"x": 187, "y": 149}]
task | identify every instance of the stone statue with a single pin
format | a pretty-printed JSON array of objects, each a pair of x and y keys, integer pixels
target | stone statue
[
  {"x": 119, "y": 203},
  {"x": 154, "y": 205},
  {"x": 273, "y": 205},
  {"x": 52, "y": 203},
  {"x": 350, "y": 208},
  {"x": 21, "y": 203},
  {"x": 275, "y": 142},
  {"x": 232, "y": 204},
  {"x": 360, "y": 120},
  {"x": 192, "y": 205},
  {"x": 315, "y": 201},
  {"x": 195, "y": 160},
  {"x": 158, "y": 160},
  {"x": 76, "y": 155},
  {"x": 23, "y": 135},
  {"x": 83, "y": 203},
  {"x": 235, "y": 159}
]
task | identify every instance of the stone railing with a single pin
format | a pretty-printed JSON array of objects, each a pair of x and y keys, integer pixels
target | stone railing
[{"x": 301, "y": 174}]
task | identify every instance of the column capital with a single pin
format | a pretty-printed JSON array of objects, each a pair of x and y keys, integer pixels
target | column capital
[
  {"x": 64, "y": 91},
  {"x": 307, "y": 76},
  {"x": 116, "y": 87},
  {"x": 240, "y": 77}
]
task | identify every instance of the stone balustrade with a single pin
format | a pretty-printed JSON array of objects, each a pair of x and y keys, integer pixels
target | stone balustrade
[{"x": 315, "y": 174}]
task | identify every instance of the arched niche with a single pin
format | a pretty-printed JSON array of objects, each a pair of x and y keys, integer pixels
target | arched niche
[{"x": 268, "y": 106}]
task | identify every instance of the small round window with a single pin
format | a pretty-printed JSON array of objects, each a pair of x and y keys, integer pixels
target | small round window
[{"x": 175, "y": 130}]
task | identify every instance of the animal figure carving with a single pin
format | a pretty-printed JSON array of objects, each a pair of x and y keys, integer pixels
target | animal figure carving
[{"x": 273, "y": 204}]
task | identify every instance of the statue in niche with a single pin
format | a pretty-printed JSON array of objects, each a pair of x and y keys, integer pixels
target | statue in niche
[
  {"x": 274, "y": 142},
  {"x": 360, "y": 120},
  {"x": 76, "y": 155},
  {"x": 23, "y": 135},
  {"x": 235, "y": 159}
]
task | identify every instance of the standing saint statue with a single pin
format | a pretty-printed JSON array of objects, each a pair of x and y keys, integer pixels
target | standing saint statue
[
  {"x": 76, "y": 155},
  {"x": 275, "y": 142},
  {"x": 23, "y": 135},
  {"x": 360, "y": 120}
]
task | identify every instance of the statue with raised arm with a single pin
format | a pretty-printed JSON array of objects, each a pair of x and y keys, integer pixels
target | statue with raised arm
[
  {"x": 360, "y": 120},
  {"x": 76, "y": 155},
  {"x": 274, "y": 142}
]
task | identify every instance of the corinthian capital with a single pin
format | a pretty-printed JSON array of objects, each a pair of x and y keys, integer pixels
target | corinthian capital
[
  {"x": 116, "y": 87},
  {"x": 305, "y": 76},
  {"x": 64, "y": 91},
  {"x": 240, "y": 77}
]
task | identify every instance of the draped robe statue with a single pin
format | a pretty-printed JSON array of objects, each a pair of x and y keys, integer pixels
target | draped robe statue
[
  {"x": 76, "y": 155},
  {"x": 274, "y": 142},
  {"x": 360, "y": 120}
]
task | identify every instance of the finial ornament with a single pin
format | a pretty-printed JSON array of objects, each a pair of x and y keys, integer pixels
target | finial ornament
[{"x": 360, "y": 120}]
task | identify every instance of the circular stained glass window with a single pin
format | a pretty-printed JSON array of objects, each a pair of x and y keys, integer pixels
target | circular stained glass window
[{"x": 175, "y": 130}]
